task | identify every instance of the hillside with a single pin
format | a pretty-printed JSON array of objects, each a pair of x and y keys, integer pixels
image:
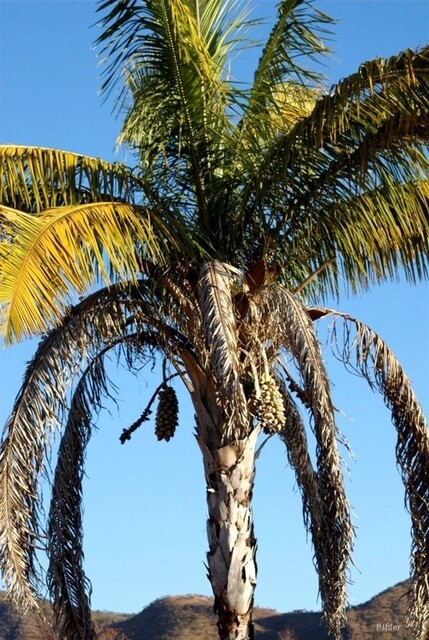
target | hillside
[{"x": 191, "y": 618}]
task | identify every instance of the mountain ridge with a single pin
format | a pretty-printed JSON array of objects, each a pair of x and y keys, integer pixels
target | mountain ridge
[{"x": 190, "y": 617}]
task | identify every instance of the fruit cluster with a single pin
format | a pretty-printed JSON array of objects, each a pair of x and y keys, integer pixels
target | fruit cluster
[
  {"x": 167, "y": 414},
  {"x": 269, "y": 406}
]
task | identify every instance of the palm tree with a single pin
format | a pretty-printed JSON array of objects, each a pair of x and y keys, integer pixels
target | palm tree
[{"x": 247, "y": 208}]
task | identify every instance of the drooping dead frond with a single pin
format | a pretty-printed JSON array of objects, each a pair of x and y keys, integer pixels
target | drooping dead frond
[
  {"x": 219, "y": 319},
  {"x": 219, "y": 322},
  {"x": 363, "y": 351},
  {"x": 38, "y": 412},
  {"x": 333, "y": 544},
  {"x": 314, "y": 511},
  {"x": 294, "y": 436},
  {"x": 69, "y": 588}
]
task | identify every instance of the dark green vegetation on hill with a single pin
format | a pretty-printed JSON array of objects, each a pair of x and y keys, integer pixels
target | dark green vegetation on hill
[{"x": 192, "y": 618}]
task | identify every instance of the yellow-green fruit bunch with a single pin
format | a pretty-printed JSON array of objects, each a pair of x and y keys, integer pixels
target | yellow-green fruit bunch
[
  {"x": 167, "y": 414},
  {"x": 269, "y": 406}
]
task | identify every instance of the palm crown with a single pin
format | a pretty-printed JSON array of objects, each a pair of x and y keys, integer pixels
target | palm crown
[{"x": 247, "y": 207}]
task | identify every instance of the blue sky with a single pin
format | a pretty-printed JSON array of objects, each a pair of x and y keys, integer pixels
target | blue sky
[{"x": 145, "y": 509}]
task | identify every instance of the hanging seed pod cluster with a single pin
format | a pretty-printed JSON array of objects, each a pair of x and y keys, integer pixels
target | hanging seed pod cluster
[
  {"x": 167, "y": 414},
  {"x": 269, "y": 406}
]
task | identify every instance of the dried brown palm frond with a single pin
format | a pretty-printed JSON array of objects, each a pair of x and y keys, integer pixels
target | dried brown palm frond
[
  {"x": 332, "y": 563},
  {"x": 220, "y": 327},
  {"x": 179, "y": 303},
  {"x": 69, "y": 588},
  {"x": 363, "y": 351},
  {"x": 26, "y": 435},
  {"x": 38, "y": 412},
  {"x": 179, "y": 293},
  {"x": 295, "y": 438}
]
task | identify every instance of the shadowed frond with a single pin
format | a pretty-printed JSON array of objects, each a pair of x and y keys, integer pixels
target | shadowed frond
[
  {"x": 364, "y": 352},
  {"x": 75, "y": 245},
  {"x": 333, "y": 546},
  {"x": 36, "y": 178},
  {"x": 385, "y": 100},
  {"x": 179, "y": 301}
]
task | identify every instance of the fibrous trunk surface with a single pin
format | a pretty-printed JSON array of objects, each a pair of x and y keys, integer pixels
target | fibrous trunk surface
[{"x": 229, "y": 472}]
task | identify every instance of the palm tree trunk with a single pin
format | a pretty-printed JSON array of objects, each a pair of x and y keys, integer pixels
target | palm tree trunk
[{"x": 229, "y": 472}]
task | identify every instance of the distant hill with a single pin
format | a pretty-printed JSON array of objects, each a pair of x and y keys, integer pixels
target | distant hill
[{"x": 191, "y": 618}]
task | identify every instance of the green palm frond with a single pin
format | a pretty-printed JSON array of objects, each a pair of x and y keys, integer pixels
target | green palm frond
[
  {"x": 364, "y": 352},
  {"x": 75, "y": 245},
  {"x": 360, "y": 148},
  {"x": 383, "y": 95},
  {"x": 282, "y": 82},
  {"x": 36, "y": 178},
  {"x": 369, "y": 112},
  {"x": 368, "y": 238},
  {"x": 294, "y": 40},
  {"x": 152, "y": 34},
  {"x": 173, "y": 56}
]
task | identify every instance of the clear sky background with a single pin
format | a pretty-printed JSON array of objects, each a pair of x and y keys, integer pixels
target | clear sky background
[{"x": 145, "y": 509}]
